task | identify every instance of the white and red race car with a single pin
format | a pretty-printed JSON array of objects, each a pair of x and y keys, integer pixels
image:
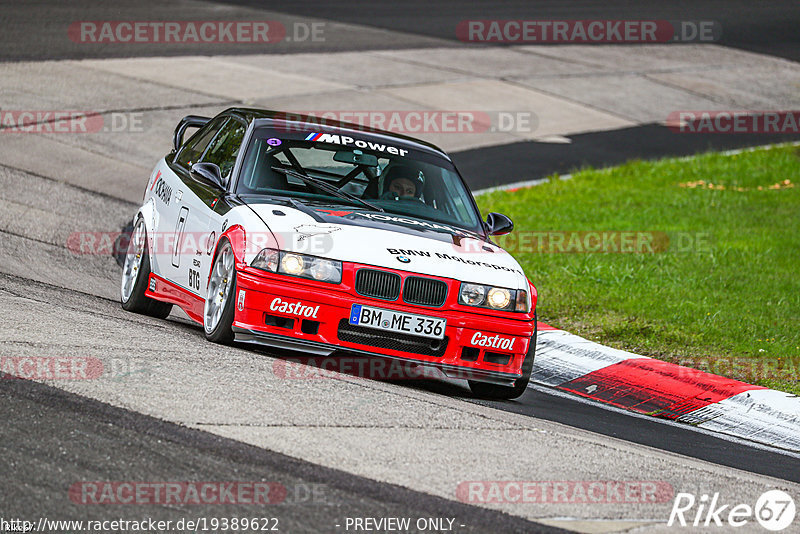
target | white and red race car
[{"x": 331, "y": 239}]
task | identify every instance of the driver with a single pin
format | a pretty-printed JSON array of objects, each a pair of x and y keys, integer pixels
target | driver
[{"x": 403, "y": 181}]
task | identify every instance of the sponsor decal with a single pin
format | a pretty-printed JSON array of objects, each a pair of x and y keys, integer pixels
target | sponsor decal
[
  {"x": 273, "y": 141},
  {"x": 157, "y": 177},
  {"x": 409, "y": 252},
  {"x": 442, "y": 256},
  {"x": 240, "y": 302},
  {"x": 294, "y": 308},
  {"x": 479, "y": 339},
  {"x": 152, "y": 284},
  {"x": 163, "y": 191},
  {"x": 360, "y": 143},
  {"x": 194, "y": 279},
  {"x": 335, "y": 213},
  {"x": 413, "y": 222},
  {"x": 309, "y": 230},
  {"x": 212, "y": 239}
]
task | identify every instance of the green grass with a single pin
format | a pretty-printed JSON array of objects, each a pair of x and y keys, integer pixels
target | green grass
[{"x": 729, "y": 304}]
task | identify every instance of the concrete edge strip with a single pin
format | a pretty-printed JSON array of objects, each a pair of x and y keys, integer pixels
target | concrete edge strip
[{"x": 651, "y": 387}]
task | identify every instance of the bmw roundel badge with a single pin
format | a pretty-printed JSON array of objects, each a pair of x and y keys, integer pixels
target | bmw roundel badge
[{"x": 403, "y": 259}]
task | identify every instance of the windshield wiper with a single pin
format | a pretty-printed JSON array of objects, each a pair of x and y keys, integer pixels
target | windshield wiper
[{"x": 328, "y": 188}]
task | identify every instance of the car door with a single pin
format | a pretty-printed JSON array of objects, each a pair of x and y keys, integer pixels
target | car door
[
  {"x": 194, "y": 244},
  {"x": 185, "y": 226}
]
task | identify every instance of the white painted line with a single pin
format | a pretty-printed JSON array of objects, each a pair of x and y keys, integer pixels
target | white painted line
[{"x": 764, "y": 415}]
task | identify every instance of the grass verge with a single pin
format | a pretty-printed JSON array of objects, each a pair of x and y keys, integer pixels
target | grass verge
[{"x": 693, "y": 260}]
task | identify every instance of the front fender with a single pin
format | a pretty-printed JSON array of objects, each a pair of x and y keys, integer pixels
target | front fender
[
  {"x": 150, "y": 215},
  {"x": 534, "y": 295},
  {"x": 238, "y": 240}
]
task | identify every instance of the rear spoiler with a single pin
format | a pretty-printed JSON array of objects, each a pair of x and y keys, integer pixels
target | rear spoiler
[{"x": 189, "y": 121}]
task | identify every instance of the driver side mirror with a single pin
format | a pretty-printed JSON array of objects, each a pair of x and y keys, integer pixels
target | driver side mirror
[
  {"x": 210, "y": 172},
  {"x": 498, "y": 224}
]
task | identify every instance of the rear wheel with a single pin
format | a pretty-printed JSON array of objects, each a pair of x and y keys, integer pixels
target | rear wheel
[
  {"x": 495, "y": 391},
  {"x": 218, "y": 309},
  {"x": 136, "y": 276}
]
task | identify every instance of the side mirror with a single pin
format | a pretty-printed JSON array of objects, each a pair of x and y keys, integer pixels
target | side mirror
[
  {"x": 210, "y": 172},
  {"x": 498, "y": 224}
]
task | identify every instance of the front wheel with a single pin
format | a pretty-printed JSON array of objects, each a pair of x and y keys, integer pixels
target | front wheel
[
  {"x": 136, "y": 276},
  {"x": 218, "y": 309},
  {"x": 494, "y": 391}
]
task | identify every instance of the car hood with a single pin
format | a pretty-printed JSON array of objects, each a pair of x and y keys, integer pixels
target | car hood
[{"x": 388, "y": 240}]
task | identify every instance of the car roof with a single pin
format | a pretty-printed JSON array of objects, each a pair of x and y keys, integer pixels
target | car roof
[{"x": 265, "y": 117}]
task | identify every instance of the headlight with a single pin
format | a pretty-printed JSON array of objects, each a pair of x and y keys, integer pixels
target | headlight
[
  {"x": 499, "y": 298},
  {"x": 472, "y": 294},
  {"x": 266, "y": 260},
  {"x": 298, "y": 265},
  {"x": 494, "y": 298},
  {"x": 293, "y": 264}
]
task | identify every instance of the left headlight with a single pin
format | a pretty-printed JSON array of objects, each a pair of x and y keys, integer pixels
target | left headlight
[
  {"x": 302, "y": 265},
  {"x": 493, "y": 298}
]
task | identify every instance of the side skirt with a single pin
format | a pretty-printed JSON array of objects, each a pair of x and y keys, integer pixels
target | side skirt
[{"x": 160, "y": 289}]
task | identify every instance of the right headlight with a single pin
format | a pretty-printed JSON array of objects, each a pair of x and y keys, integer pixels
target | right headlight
[
  {"x": 493, "y": 298},
  {"x": 302, "y": 265}
]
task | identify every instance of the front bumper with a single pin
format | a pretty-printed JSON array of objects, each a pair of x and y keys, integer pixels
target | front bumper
[{"x": 318, "y": 324}]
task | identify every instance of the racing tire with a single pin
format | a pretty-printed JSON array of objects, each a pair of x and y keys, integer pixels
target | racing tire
[
  {"x": 218, "y": 309},
  {"x": 485, "y": 390},
  {"x": 136, "y": 276}
]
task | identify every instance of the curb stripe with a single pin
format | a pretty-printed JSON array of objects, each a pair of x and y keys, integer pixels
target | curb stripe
[
  {"x": 574, "y": 365},
  {"x": 655, "y": 387},
  {"x": 562, "y": 357}
]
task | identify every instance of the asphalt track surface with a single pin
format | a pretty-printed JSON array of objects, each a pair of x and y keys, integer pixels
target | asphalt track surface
[
  {"x": 39, "y": 420},
  {"x": 34, "y": 30},
  {"x": 51, "y": 437},
  {"x": 497, "y": 165}
]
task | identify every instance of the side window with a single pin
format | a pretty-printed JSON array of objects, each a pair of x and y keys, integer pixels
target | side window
[
  {"x": 193, "y": 150},
  {"x": 225, "y": 147}
]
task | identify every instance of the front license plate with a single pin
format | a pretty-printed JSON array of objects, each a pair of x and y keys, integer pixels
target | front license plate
[{"x": 394, "y": 321}]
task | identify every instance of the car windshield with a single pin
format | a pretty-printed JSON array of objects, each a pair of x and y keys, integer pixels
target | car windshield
[{"x": 358, "y": 173}]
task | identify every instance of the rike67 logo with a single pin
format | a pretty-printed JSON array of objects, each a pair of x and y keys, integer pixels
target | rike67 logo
[{"x": 774, "y": 510}]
